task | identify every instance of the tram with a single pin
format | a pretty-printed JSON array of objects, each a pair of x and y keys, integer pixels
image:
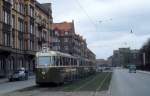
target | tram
[{"x": 56, "y": 67}]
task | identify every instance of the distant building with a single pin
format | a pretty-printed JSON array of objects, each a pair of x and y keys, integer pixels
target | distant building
[
  {"x": 101, "y": 62},
  {"x": 136, "y": 57},
  {"x": 109, "y": 60},
  {"x": 125, "y": 56}
]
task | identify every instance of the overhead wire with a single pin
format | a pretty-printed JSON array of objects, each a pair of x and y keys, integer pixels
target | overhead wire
[{"x": 86, "y": 13}]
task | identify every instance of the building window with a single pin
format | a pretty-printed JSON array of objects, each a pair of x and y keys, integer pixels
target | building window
[
  {"x": 6, "y": 17},
  {"x": 13, "y": 41},
  {"x": 31, "y": 28},
  {"x": 26, "y": 9},
  {"x": 21, "y": 43},
  {"x": 13, "y": 21},
  {"x": 31, "y": 11},
  {"x": 6, "y": 39},
  {"x": 31, "y": 45},
  {"x": 44, "y": 34},
  {"x": 65, "y": 39},
  {"x": 21, "y": 25},
  {"x": 66, "y": 47},
  {"x": 66, "y": 33},
  {"x": 56, "y": 33},
  {"x": 12, "y": 2},
  {"x": 21, "y": 8}
]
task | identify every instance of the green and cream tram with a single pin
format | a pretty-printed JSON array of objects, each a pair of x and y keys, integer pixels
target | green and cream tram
[{"x": 57, "y": 67}]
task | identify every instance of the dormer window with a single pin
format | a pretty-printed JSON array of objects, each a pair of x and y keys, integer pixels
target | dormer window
[
  {"x": 56, "y": 33},
  {"x": 66, "y": 33}
]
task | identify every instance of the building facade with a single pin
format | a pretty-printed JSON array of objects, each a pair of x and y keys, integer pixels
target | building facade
[
  {"x": 24, "y": 29},
  {"x": 67, "y": 41},
  {"x": 125, "y": 56}
]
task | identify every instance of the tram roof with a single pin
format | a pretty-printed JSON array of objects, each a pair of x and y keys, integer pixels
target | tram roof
[{"x": 53, "y": 53}]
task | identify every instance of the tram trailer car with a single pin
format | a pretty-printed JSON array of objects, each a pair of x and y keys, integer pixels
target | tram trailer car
[{"x": 56, "y": 67}]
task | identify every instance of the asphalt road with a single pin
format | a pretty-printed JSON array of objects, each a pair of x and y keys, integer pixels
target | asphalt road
[
  {"x": 7, "y": 87},
  {"x": 130, "y": 84}
]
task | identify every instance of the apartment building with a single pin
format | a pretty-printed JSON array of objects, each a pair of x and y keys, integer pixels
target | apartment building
[
  {"x": 24, "y": 29},
  {"x": 67, "y": 41}
]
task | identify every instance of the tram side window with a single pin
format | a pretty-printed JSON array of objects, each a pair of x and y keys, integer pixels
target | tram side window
[
  {"x": 75, "y": 62},
  {"x": 80, "y": 62},
  {"x": 64, "y": 61},
  {"x": 57, "y": 60},
  {"x": 0, "y": 64},
  {"x": 54, "y": 58},
  {"x": 61, "y": 63},
  {"x": 67, "y": 61},
  {"x": 72, "y": 61}
]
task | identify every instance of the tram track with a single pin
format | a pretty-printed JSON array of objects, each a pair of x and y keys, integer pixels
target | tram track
[
  {"x": 72, "y": 93},
  {"x": 100, "y": 86},
  {"x": 86, "y": 83}
]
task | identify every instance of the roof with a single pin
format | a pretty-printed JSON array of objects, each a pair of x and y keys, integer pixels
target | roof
[
  {"x": 45, "y": 7},
  {"x": 53, "y": 53},
  {"x": 63, "y": 26}
]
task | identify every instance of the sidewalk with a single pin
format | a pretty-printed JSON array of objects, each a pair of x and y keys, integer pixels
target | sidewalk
[
  {"x": 13, "y": 86},
  {"x": 5, "y": 80}
]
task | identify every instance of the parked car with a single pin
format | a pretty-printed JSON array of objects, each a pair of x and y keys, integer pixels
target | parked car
[
  {"x": 18, "y": 75},
  {"x": 132, "y": 69}
]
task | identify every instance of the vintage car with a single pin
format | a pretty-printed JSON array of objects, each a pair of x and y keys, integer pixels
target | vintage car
[
  {"x": 132, "y": 69},
  {"x": 18, "y": 75}
]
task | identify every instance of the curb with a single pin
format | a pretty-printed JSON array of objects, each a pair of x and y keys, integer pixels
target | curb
[{"x": 144, "y": 72}]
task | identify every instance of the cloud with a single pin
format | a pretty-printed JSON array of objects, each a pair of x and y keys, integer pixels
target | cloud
[{"x": 109, "y": 24}]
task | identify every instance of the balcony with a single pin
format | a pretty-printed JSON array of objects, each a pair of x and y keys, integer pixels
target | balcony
[
  {"x": 7, "y": 5},
  {"x": 6, "y": 27},
  {"x": 41, "y": 26}
]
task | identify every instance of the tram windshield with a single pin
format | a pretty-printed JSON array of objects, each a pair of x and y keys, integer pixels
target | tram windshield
[{"x": 44, "y": 60}]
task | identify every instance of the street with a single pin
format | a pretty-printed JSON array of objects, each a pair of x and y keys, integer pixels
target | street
[
  {"x": 7, "y": 87},
  {"x": 95, "y": 85},
  {"x": 123, "y": 83},
  {"x": 130, "y": 84}
]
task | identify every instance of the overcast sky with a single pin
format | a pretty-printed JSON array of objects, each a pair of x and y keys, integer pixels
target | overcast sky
[{"x": 106, "y": 24}]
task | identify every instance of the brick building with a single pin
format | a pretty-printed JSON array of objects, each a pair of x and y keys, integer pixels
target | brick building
[
  {"x": 67, "y": 41},
  {"x": 24, "y": 28}
]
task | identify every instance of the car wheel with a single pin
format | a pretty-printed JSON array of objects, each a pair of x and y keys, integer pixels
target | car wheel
[{"x": 10, "y": 80}]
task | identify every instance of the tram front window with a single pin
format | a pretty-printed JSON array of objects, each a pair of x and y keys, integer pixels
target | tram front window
[{"x": 44, "y": 60}]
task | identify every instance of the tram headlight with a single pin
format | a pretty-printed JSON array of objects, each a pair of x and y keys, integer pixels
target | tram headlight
[{"x": 43, "y": 73}]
